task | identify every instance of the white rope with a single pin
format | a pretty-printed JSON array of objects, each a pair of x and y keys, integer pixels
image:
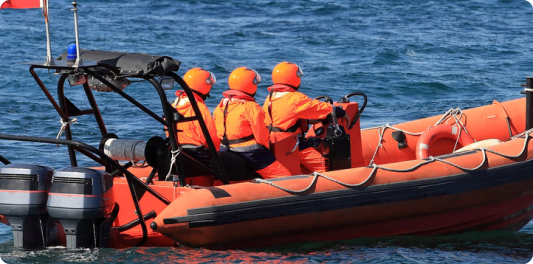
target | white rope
[
  {"x": 523, "y": 133},
  {"x": 173, "y": 161},
  {"x": 316, "y": 175},
  {"x": 429, "y": 160},
  {"x": 64, "y": 126},
  {"x": 456, "y": 114},
  {"x": 382, "y": 129},
  {"x": 381, "y": 132},
  {"x": 453, "y": 113},
  {"x": 259, "y": 180},
  {"x": 424, "y": 162}
]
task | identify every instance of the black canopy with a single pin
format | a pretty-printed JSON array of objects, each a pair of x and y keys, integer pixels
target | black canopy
[{"x": 130, "y": 64}]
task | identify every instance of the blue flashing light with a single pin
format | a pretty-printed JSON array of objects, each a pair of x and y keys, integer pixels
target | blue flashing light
[{"x": 72, "y": 54}]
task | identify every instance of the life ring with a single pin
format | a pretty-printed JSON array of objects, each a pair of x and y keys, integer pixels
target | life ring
[{"x": 438, "y": 132}]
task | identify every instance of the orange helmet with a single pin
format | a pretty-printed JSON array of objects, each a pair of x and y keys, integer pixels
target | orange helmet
[
  {"x": 287, "y": 73},
  {"x": 200, "y": 80},
  {"x": 245, "y": 80}
]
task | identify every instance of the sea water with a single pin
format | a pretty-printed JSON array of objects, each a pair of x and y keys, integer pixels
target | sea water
[{"x": 413, "y": 59}]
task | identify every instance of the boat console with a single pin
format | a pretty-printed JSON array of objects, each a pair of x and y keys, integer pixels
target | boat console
[{"x": 340, "y": 144}]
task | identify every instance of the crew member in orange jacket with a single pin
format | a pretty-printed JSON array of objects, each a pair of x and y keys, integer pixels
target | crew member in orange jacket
[
  {"x": 189, "y": 134},
  {"x": 241, "y": 126},
  {"x": 288, "y": 108}
]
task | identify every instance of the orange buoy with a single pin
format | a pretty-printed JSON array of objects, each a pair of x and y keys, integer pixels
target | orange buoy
[{"x": 438, "y": 132}]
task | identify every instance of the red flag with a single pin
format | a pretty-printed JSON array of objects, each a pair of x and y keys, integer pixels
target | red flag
[{"x": 21, "y": 4}]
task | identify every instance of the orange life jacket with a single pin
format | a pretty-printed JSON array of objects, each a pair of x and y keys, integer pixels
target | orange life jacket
[
  {"x": 287, "y": 106},
  {"x": 190, "y": 133},
  {"x": 240, "y": 122}
]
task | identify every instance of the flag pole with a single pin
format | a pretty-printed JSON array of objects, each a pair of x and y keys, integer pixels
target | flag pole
[{"x": 49, "y": 60}]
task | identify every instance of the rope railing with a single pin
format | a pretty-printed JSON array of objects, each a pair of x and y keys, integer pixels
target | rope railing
[
  {"x": 455, "y": 113},
  {"x": 431, "y": 159}
]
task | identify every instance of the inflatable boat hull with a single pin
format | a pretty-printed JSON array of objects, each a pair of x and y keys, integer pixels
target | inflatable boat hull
[{"x": 431, "y": 199}]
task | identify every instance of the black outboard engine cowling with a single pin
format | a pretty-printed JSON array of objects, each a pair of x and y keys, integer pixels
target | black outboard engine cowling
[
  {"x": 23, "y": 196},
  {"x": 81, "y": 198}
]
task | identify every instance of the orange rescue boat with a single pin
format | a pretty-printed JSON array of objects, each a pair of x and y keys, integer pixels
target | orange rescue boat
[
  {"x": 457, "y": 172},
  {"x": 485, "y": 187}
]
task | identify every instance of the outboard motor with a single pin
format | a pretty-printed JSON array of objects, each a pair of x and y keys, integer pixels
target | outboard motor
[
  {"x": 81, "y": 198},
  {"x": 23, "y": 196}
]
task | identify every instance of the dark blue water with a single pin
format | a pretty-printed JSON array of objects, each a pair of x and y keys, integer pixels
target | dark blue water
[{"x": 412, "y": 58}]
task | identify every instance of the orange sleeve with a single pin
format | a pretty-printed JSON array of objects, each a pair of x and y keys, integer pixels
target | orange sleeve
[
  {"x": 307, "y": 108},
  {"x": 256, "y": 118}
]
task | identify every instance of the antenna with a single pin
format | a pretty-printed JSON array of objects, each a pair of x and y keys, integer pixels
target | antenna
[
  {"x": 78, "y": 59},
  {"x": 49, "y": 60}
]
